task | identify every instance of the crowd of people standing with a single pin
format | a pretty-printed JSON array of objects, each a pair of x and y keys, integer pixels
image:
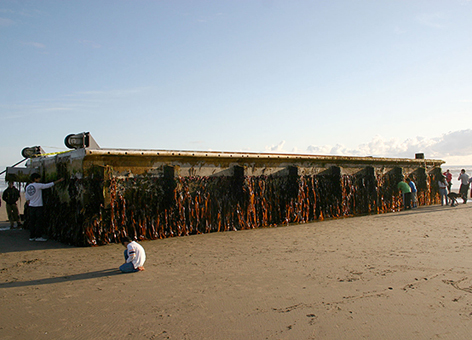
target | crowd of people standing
[{"x": 444, "y": 182}]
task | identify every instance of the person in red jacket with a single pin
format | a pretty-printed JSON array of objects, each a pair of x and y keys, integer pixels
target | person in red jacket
[{"x": 448, "y": 176}]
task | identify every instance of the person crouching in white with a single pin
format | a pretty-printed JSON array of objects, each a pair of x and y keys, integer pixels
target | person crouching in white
[{"x": 135, "y": 256}]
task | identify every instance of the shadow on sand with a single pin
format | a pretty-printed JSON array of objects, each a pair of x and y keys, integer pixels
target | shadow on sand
[
  {"x": 60, "y": 279},
  {"x": 424, "y": 210}
]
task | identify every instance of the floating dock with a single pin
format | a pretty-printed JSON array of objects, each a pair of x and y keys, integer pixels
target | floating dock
[{"x": 151, "y": 194}]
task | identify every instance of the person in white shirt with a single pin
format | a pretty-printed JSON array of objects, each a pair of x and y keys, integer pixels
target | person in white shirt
[
  {"x": 34, "y": 198},
  {"x": 135, "y": 256},
  {"x": 464, "y": 178},
  {"x": 443, "y": 189}
]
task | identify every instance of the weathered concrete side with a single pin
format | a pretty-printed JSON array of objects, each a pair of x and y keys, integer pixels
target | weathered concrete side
[{"x": 151, "y": 194}]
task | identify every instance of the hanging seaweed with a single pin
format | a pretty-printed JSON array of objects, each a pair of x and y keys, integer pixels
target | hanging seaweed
[{"x": 104, "y": 206}]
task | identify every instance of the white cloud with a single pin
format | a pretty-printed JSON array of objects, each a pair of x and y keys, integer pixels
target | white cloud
[
  {"x": 34, "y": 44},
  {"x": 431, "y": 19},
  {"x": 320, "y": 150},
  {"x": 453, "y": 146},
  {"x": 83, "y": 102},
  {"x": 457, "y": 143},
  {"x": 6, "y": 22},
  {"x": 52, "y": 109},
  {"x": 276, "y": 148},
  {"x": 296, "y": 150},
  {"x": 111, "y": 93},
  {"x": 398, "y": 30},
  {"x": 90, "y": 43}
]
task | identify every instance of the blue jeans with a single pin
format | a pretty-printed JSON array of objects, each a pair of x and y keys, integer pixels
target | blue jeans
[
  {"x": 127, "y": 267},
  {"x": 443, "y": 194}
]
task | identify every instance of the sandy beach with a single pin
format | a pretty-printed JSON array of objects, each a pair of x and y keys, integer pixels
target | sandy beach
[{"x": 404, "y": 275}]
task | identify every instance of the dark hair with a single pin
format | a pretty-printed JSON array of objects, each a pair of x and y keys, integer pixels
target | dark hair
[
  {"x": 125, "y": 239},
  {"x": 35, "y": 176}
]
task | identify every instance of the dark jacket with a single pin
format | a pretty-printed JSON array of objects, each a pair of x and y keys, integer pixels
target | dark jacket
[{"x": 11, "y": 195}]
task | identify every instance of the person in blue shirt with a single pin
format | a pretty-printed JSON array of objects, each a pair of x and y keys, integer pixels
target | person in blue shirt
[{"x": 414, "y": 196}]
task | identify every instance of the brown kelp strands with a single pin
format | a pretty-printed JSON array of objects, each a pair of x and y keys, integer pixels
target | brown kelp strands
[
  {"x": 74, "y": 209},
  {"x": 152, "y": 207}
]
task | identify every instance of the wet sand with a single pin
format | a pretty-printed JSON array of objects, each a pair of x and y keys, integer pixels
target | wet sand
[{"x": 404, "y": 275}]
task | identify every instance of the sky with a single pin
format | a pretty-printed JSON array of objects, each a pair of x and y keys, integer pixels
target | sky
[{"x": 386, "y": 78}]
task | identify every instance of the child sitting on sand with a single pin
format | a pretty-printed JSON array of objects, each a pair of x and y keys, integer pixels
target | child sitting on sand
[{"x": 135, "y": 256}]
